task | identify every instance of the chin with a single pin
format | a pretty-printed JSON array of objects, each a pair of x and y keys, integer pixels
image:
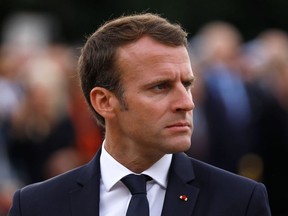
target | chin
[{"x": 180, "y": 146}]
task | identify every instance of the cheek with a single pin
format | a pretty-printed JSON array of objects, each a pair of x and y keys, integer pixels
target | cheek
[
  {"x": 144, "y": 112},
  {"x": 143, "y": 118},
  {"x": 148, "y": 112}
]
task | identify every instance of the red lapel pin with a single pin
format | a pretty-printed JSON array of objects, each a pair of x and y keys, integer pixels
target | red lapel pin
[{"x": 183, "y": 197}]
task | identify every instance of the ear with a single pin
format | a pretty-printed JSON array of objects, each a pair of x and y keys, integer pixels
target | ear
[{"x": 103, "y": 101}]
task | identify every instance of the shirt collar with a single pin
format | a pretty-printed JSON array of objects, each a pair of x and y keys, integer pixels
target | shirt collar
[{"x": 112, "y": 171}]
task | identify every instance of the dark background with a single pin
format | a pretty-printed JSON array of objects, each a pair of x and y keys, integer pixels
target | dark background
[{"x": 77, "y": 18}]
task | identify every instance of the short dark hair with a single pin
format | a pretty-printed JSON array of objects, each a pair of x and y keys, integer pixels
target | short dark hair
[{"x": 97, "y": 63}]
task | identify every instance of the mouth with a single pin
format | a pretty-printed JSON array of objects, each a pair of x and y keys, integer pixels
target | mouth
[{"x": 183, "y": 124}]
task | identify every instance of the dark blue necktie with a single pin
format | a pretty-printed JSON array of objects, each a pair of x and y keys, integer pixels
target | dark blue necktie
[{"x": 137, "y": 186}]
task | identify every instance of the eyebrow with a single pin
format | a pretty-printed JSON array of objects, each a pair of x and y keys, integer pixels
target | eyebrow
[
  {"x": 191, "y": 79},
  {"x": 169, "y": 80}
]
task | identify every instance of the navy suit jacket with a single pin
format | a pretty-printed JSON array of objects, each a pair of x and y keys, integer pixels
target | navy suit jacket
[{"x": 210, "y": 191}]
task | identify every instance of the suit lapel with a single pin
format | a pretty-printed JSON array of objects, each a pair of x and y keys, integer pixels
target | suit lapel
[
  {"x": 181, "y": 175},
  {"x": 85, "y": 197}
]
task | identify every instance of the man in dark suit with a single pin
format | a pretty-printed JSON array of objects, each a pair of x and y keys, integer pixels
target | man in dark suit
[{"x": 136, "y": 76}]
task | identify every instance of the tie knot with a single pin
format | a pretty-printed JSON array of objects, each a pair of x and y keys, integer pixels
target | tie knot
[{"x": 136, "y": 183}]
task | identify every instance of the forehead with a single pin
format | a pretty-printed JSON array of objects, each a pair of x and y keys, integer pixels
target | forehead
[{"x": 149, "y": 56}]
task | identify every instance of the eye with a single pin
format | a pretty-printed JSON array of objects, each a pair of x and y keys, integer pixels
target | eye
[
  {"x": 188, "y": 85},
  {"x": 161, "y": 86}
]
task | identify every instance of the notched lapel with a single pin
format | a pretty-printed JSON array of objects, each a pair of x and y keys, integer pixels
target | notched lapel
[
  {"x": 85, "y": 196},
  {"x": 84, "y": 202},
  {"x": 179, "y": 184}
]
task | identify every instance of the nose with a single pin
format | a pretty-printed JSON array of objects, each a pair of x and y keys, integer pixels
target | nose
[{"x": 183, "y": 100}]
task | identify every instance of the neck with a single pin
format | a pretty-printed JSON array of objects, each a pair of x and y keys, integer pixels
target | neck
[{"x": 131, "y": 156}]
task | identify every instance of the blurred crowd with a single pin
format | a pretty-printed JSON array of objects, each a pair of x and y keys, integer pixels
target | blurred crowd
[
  {"x": 241, "y": 96},
  {"x": 241, "y": 114},
  {"x": 45, "y": 125}
]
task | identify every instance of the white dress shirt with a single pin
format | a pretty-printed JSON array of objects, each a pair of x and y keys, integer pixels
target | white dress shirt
[{"x": 115, "y": 196}]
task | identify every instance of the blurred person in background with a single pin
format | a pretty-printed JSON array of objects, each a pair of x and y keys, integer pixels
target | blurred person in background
[
  {"x": 31, "y": 109},
  {"x": 44, "y": 97},
  {"x": 41, "y": 124},
  {"x": 266, "y": 65},
  {"x": 136, "y": 76},
  {"x": 260, "y": 148},
  {"x": 9, "y": 100},
  {"x": 261, "y": 66},
  {"x": 88, "y": 135},
  {"x": 226, "y": 100}
]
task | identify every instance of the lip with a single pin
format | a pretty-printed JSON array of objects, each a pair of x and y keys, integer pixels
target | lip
[{"x": 180, "y": 124}]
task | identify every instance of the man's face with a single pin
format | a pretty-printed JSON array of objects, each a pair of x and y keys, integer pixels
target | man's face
[{"x": 157, "y": 81}]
